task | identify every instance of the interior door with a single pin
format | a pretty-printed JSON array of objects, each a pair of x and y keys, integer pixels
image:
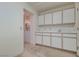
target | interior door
[
  {"x": 68, "y": 16},
  {"x": 56, "y": 42},
  {"x": 57, "y": 17},
  {"x": 48, "y": 18},
  {"x": 69, "y": 44}
]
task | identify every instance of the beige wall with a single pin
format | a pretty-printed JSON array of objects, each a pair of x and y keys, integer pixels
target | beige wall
[{"x": 11, "y": 28}]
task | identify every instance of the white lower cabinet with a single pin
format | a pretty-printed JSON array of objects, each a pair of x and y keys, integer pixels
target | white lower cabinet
[
  {"x": 39, "y": 39},
  {"x": 69, "y": 44},
  {"x": 56, "y": 42},
  {"x": 46, "y": 40}
]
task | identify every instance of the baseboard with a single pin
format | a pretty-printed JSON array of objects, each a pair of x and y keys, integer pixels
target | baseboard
[{"x": 58, "y": 48}]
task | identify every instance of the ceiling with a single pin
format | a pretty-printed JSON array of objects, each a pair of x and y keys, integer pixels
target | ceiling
[{"x": 42, "y": 6}]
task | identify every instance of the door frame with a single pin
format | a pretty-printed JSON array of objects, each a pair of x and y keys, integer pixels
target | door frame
[{"x": 25, "y": 10}]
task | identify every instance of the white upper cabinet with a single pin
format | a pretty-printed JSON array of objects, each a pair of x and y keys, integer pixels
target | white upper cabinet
[
  {"x": 68, "y": 16},
  {"x": 41, "y": 20},
  {"x": 57, "y": 17},
  {"x": 48, "y": 18}
]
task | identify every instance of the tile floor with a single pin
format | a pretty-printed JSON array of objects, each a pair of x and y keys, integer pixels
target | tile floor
[{"x": 41, "y": 51}]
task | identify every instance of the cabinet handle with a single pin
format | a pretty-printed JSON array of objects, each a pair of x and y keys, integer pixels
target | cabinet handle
[
  {"x": 77, "y": 48},
  {"x": 77, "y": 28},
  {"x": 77, "y": 9}
]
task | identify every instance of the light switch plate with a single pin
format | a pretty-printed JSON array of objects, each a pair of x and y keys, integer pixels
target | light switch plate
[{"x": 20, "y": 27}]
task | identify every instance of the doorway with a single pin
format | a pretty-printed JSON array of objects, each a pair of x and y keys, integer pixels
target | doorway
[{"x": 27, "y": 26}]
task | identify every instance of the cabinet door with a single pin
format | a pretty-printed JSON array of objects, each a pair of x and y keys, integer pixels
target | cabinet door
[
  {"x": 48, "y": 18},
  {"x": 77, "y": 15},
  {"x": 68, "y": 16},
  {"x": 57, "y": 17},
  {"x": 69, "y": 44},
  {"x": 46, "y": 40},
  {"x": 56, "y": 42},
  {"x": 41, "y": 20},
  {"x": 39, "y": 39}
]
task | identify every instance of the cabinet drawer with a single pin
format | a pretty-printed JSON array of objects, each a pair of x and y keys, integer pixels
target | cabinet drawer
[
  {"x": 56, "y": 34},
  {"x": 69, "y": 35},
  {"x": 46, "y": 34},
  {"x": 38, "y": 33}
]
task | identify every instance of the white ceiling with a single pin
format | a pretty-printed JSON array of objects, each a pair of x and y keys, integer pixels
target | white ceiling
[{"x": 42, "y": 6}]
